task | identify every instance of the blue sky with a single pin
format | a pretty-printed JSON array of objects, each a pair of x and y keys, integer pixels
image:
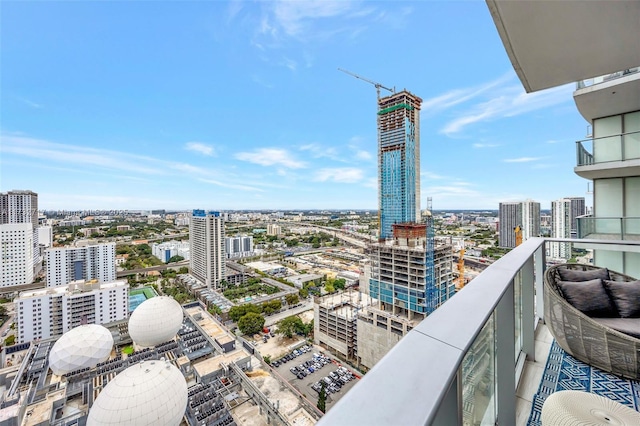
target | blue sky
[{"x": 239, "y": 105}]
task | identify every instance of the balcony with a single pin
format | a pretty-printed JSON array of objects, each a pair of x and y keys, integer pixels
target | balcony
[
  {"x": 608, "y": 95},
  {"x": 478, "y": 359},
  {"x": 604, "y": 78},
  {"x": 609, "y": 228},
  {"x": 608, "y": 156}
]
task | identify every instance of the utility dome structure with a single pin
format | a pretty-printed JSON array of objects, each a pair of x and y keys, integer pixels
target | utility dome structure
[
  {"x": 81, "y": 347},
  {"x": 148, "y": 393},
  {"x": 155, "y": 321}
]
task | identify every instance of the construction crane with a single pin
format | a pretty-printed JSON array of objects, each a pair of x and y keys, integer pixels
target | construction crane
[
  {"x": 461, "y": 281},
  {"x": 378, "y": 86},
  {"x": 518, "y": 232}
]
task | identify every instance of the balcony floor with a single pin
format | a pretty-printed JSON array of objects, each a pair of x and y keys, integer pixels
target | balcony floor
[
  {"x": 624, "y": 391},
  {"x": 532, "y": 375}
]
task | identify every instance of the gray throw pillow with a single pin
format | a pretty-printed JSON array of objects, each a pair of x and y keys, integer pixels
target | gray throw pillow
[
  {"x": 626, "y": 297},
  {"x": 575, "y": 275},
  {"x": 588, "y": 297}
]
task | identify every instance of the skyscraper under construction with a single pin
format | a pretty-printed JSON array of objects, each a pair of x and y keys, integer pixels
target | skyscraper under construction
[{"x": 398, "y": 160}]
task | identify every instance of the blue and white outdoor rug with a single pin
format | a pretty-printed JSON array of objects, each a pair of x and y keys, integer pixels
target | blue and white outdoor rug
[{"x": 564, "y": 372}]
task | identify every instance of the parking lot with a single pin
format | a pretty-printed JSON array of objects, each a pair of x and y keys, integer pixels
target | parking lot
[{"x": 329, "y": 372}]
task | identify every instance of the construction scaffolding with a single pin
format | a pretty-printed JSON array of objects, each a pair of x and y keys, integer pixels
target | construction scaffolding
[{"x": 432, "y": 292}]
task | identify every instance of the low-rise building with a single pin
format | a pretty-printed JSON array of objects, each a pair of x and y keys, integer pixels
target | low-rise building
[{"x": 44, "y": 313}]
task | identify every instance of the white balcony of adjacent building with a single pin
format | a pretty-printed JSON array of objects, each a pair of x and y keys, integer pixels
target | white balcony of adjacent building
[
  {"x": 609, "y": 156},
  {"x": 551, "y": 43},
  {"x": 478, "y": 359},
  {"x": 609, "y": 228},
  {"x": 610, "y": 94}
]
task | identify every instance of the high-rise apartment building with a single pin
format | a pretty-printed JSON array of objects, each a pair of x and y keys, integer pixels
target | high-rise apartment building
[
  {"x": 530, "y": 219},
  {"x": 578, "y": 208},
  {"x": 16, "y": 254},
  {"x": 67, "y": 264},
  {"x": 21, "y": 206},
  {"x": 273, "y": 229},
  {"x": 398, "y": 160},
  {"x": 509, "y": 216},
  {"x": 45, "y": 313},
  {"x": 525, "y": 214},
  {"x": 206, "y": 240},
  {"x": 560, "y": 228},
  {"x": 238, "y": 246},
  {"x": 611, "y": 158},
  {"x": 409, "y": 276}
]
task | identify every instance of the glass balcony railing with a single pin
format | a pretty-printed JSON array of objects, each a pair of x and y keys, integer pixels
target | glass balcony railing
[
  {"x": 623, "y": 228},
  {"x": 621, "y": 147},
  {"x": 462, "y": 364},
  {"x": 603, "y": 78}
]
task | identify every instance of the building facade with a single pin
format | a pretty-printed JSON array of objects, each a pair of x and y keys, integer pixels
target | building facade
[
  {"x": 560, "y": 228},
  {"x": 398, "y": 274},
  {"x": 67, "y": 264},
  {"x": 20, "y": 206},
  {"x": 510, "y": 216},
  {"x": 525, "y": 214},
  {"x": 206, "y": 241},
  {"x": 578, "y": 209},
  {"x": 273, "y": 229},
  {"x": 335, "y": 317},
  {"x": 166, "y": 251},
  {"x": 45, "y": 313},
  {"x": 612, "y": 165},
  {"x": 16, "y": 254},
  {"x": 238, "y": 246},
  {"x": 398, "y": 160}
]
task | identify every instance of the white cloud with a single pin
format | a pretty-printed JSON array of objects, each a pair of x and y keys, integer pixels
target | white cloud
[
  {"x": 271, "y": 157},
  {"x": 508, "y": 101},
  {"x": 231, "y": 185},
  {"x": 458, "y": 96},
  {"x": 343, "y": 175},
  {"x": 200, "y": 147},
  {"x": 30, "y": 103},
  {"x": 522, "y": 159},
  {"x": 431, "y": 175},
  {"x": 320, "y": 151},
  {"x": 485, "y": 145},
  {"x": 363, "y": 155}
]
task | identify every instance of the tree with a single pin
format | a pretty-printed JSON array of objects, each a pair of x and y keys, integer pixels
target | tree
[
  {"x": 183, "y": 270},
  {"x": 3, "y": 311},
  {"x": 251, "y": 323},
  {"x": 329, "y": 288},
  {"x": 322, "y": 397},
  {"x": 304, "y": 293},
  {"x": 292, "y": 299},
  {"x": 340, "y": 283},
  {"x": 289, "y": 326},
  {"x": 267, "y": 359},
  {"x": 175, "y": 258},
  {"x": 237, "y": 312}
]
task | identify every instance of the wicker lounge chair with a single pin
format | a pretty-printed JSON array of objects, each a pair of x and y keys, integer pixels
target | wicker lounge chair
[{"x": 586, "y": 338}]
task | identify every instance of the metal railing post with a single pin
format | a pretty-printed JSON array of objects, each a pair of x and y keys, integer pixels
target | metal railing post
[
  {"x": 505, "y": 359},
  {"x": 528, "y": 309},
  {"x": 539, "y": 266}
]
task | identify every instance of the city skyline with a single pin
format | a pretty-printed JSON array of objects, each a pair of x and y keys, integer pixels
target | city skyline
[{"x": 242, "y": 107}]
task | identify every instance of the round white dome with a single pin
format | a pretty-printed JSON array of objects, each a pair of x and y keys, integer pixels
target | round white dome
[
  {"x": 148, "y": 393},
  {"x": 81, "y": 347},
  {"x": 155, "y": 321}
]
